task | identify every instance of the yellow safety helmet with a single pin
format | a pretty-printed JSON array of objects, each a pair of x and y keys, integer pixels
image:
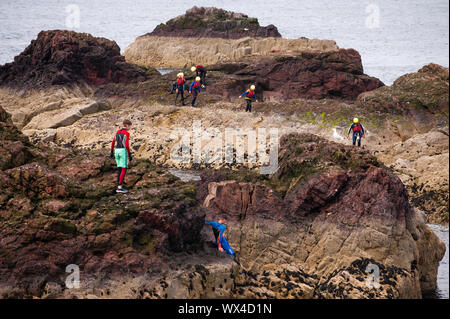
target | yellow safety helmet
[
  {"x": 252, "y": 87},
  {"x": 181, "y": 74},
  {"x": 193, "y": 69},
  {"x": 197, "y": 78},
  {"x": 355, "y": 120}
]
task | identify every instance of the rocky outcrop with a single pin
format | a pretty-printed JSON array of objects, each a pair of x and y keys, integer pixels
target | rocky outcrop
[
  {"x": 309, "y": 230},
  {"x": 178, "y": 52},
  {"x": 213, "y": 23},
  {"x": 65, "y": 57},
  {"x": 422, "y": 97},
  {"x": 417, "y": 106},
  {"x": 308, "y": 75},
  {"x": 334, "y": 206}
]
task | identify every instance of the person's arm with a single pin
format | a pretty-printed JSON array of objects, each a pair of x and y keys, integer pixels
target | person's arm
[
  {"x": 190, "y": 87},
  {"x": 127, "y": 145},
  {"x": 208, "y": 223},
  {"x": 112, "y": 147},
  {"x": 243, "y": 94},
  {"x": 219, "y": 239},
  {"x": 112, "y": 144},
  {"x": 350, "y": 128}
]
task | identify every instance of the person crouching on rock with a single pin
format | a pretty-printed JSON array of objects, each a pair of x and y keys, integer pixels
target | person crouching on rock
[
  {"x": 358, "y": 131},
  {"x": 249, "y": 96},
  {"x": 194, "y": 89},
  {"x": 201, "y": 71},
  {"x": 120, "y": 150},
  {"x": 181, "y": 81},
  {"x": 221, "y": 242}
]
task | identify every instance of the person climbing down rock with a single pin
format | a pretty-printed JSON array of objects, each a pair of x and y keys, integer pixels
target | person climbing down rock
[
  {"x": 358, "y": 131},
  {"x": 181, "y": 82},
  {"x": 221, "y": 242},
  {"x": 194, "y": 89},
  {"x": 120, "y": 150},
  {"x": 201, "y": 71},
  {"x": 249, "y": 96}
]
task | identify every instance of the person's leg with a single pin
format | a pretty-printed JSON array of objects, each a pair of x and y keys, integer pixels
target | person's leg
[
  {"x": 359, "y": 139},
  {"x": 216, "y": 235},
  {"x": 203, "y": 78},
  {"x": 354, "y": 138},
  {"x": 122, "y": 175},
  {"x": 182, "y": 96},
  {"x": 119, "y": 171},
  {"x": 122, "y": 164},
  {"x": 194, "y": 97},
  {"x": 176, "y": 96}
]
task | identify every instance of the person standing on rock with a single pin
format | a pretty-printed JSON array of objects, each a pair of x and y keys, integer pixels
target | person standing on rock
[
  {"x": 120, "y": 150},
  {"x": 249, "y": 96},
  {"x": 194, "y": 89},
  {"x": 181, "y": 82},
  {"x": 221, "y": 242},
  {"x": 358, "y": 131},
  {"x": 201, "y": 71}
]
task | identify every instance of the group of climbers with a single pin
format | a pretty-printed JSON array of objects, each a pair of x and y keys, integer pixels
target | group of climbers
[{"x": 179, "y": 86}]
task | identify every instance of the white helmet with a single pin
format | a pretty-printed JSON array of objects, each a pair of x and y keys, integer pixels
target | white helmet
[
  {"x": 193, "y": 69},
  {"x": 252, "y": 87}
]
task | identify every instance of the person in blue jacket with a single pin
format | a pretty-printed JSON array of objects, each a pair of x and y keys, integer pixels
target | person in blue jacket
[
  {"x": 358, "y": 131},
  {"x": 249, "y": 97},
  {"x": 195, "y": 89},
  {"x": 221, "y": 242}
]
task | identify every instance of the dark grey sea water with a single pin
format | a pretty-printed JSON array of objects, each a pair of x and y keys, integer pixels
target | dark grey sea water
[{"x": 393, "y": 36}]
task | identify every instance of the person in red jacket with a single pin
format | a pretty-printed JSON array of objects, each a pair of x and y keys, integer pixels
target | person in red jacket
[
  {"x": 181, "y": 82},
  {"x": 120, "y": 150}
]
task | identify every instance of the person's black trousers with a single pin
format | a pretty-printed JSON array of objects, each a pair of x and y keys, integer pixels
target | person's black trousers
[
  {"x": 180, "y": 91},
  {"x": 248, "y": 108}
]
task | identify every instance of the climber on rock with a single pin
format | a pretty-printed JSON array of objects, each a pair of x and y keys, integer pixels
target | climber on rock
[
  {"x": 201, "y": 71},
  {"x": 249, "y": 96},
  {"x": 195, "y": 89},
  {"x": 181, "y": 82},
  {"x": 221, "y": 242},
  {"x": 358, "y": 131},
  {"x": 120, "y": 150}
]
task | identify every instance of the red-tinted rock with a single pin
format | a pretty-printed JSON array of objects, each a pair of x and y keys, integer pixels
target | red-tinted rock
[
  {"x": 64, "y": 57},
  {"x": 308, "y": 75}
]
